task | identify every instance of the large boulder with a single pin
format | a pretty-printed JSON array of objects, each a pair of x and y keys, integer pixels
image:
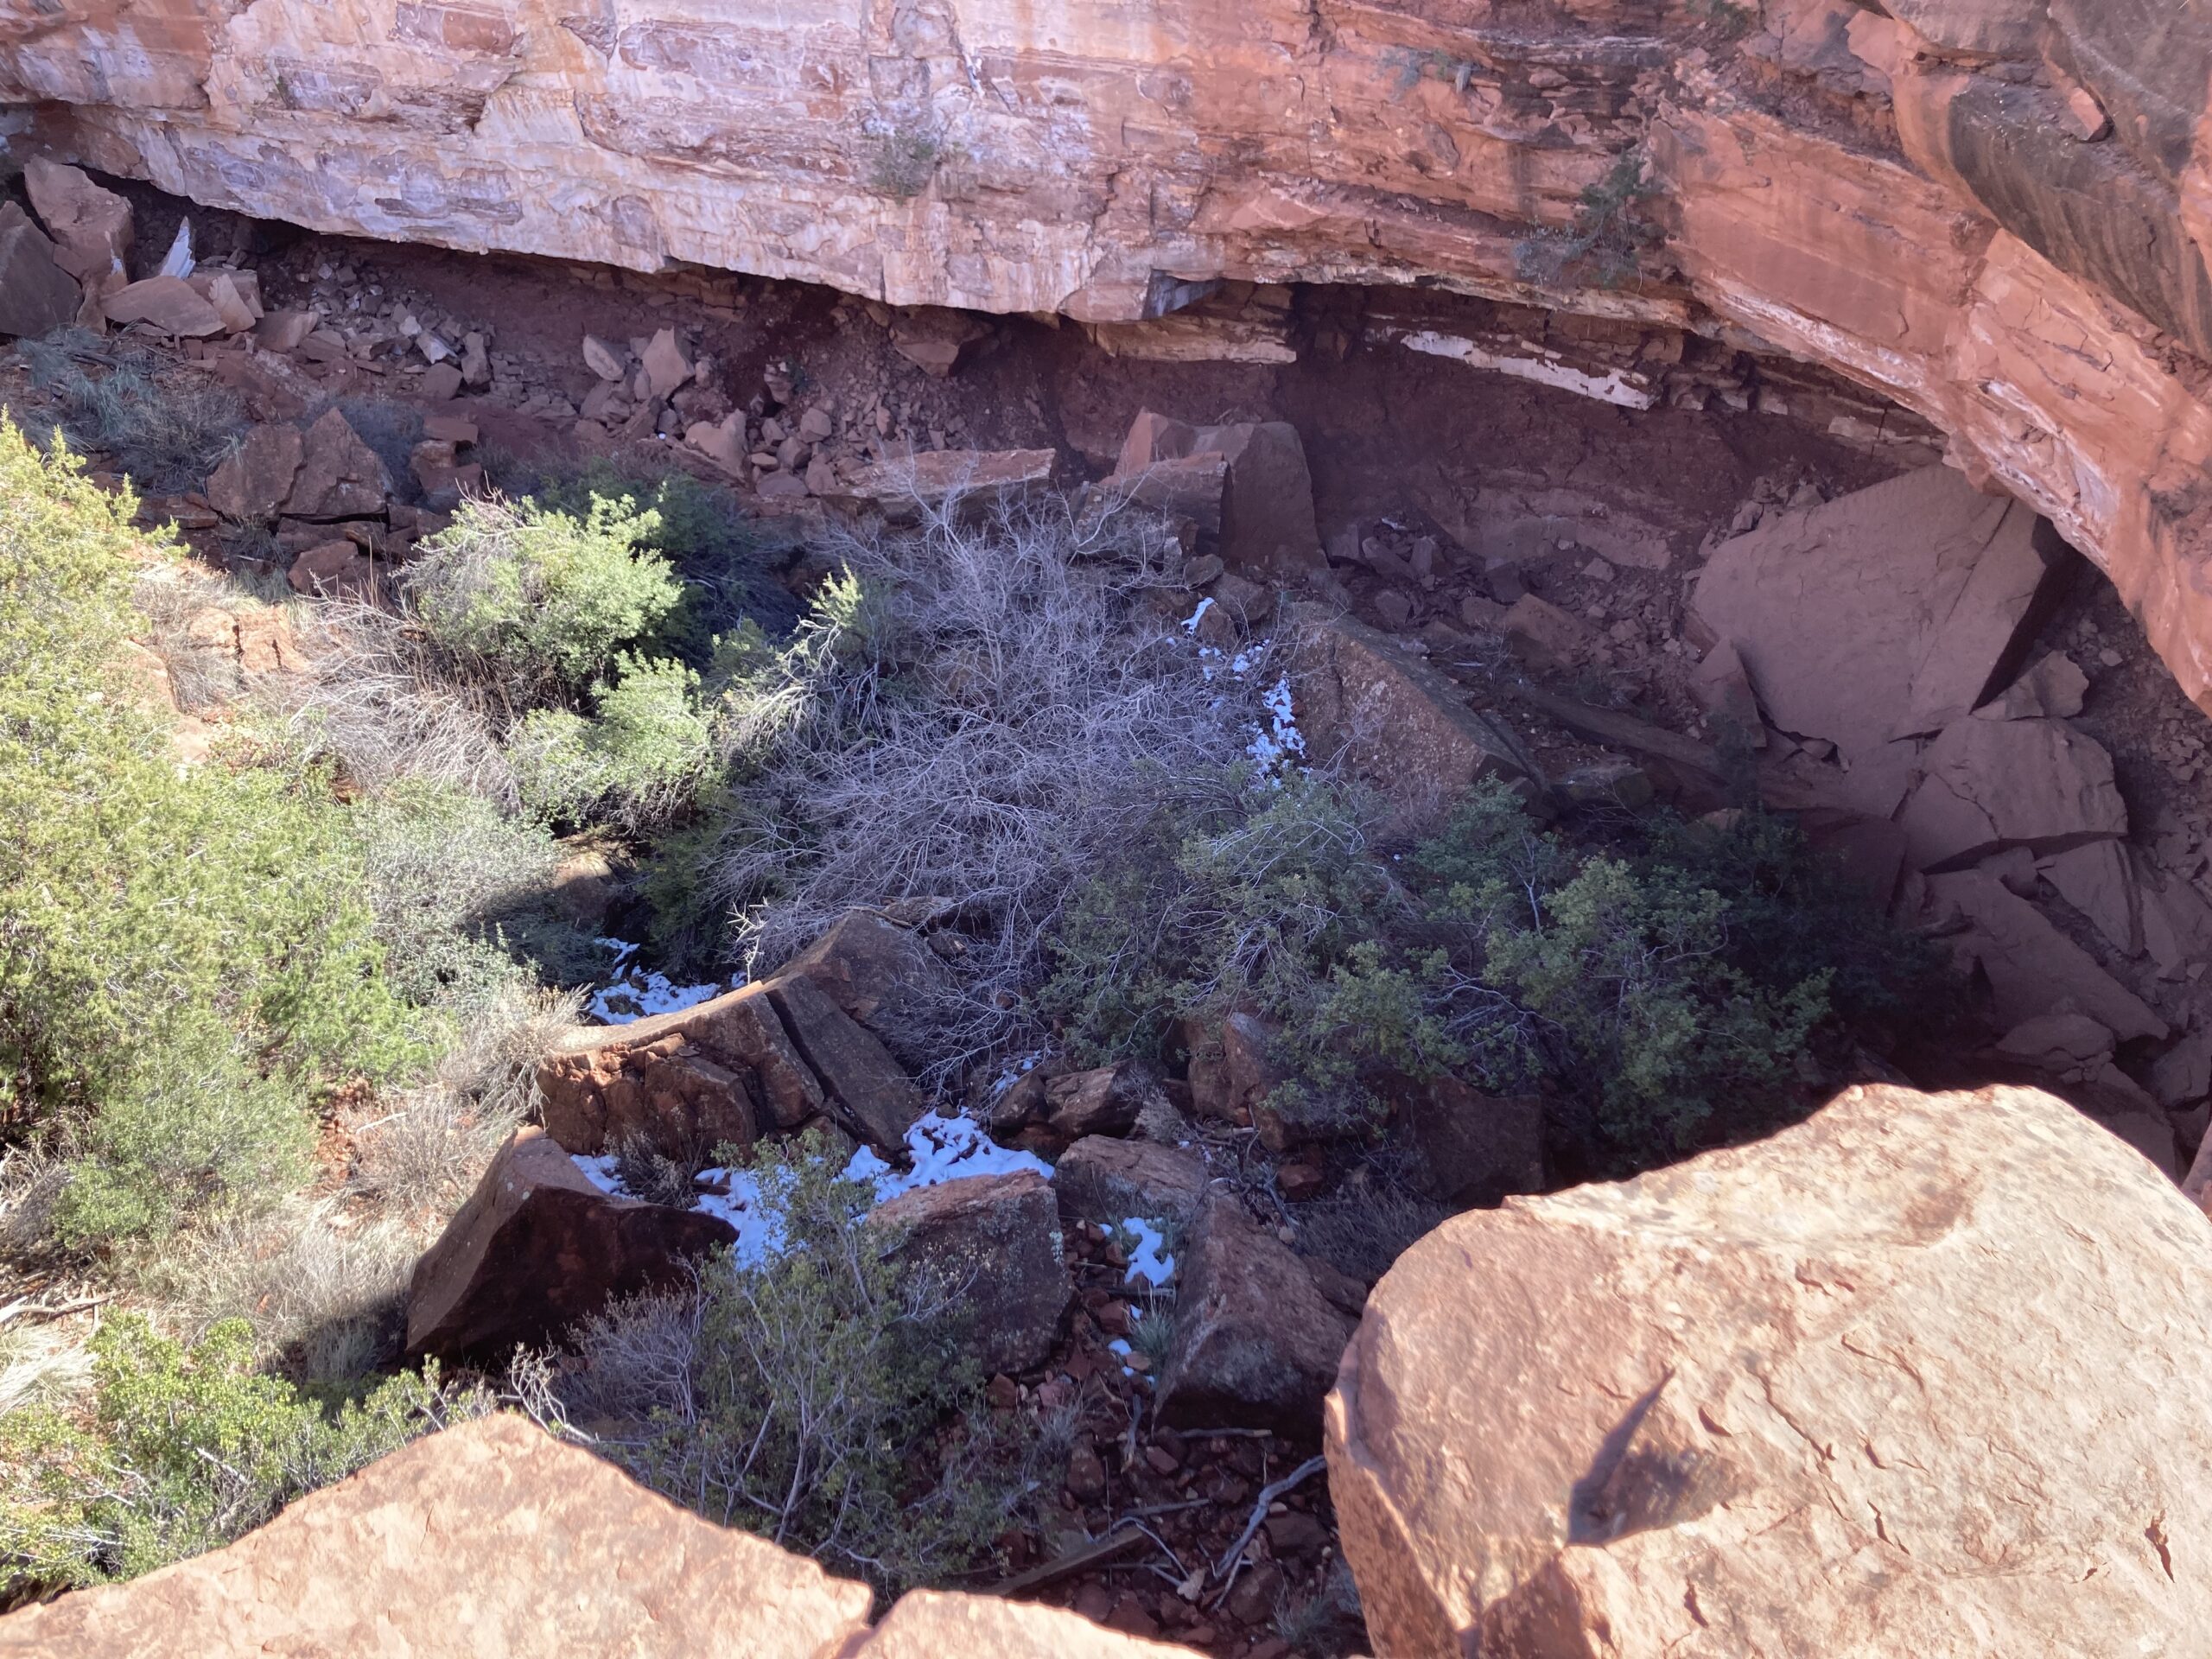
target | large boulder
[
  {"x": 883, "y": 975},
  {"x": 2032, "y": 969},
  {"x": 1943, "y": 586},
  {"x": 1995, "y": 784},
  {"x": 36, "y": 295},
  {"x": 89, "y": 224},
  {"x": 686, "y": 1082},
  {"x": 339, "y": 476},
  {"x": 1256, "y": 1341},
  {"x": 536, "y": 1249},
  {"x": 494, "y": 1538},
  {"x": 1400, "y": 724},
  {"x": 1925, "y": 1375},
  {"x": 1106, "y": 1181},
  {"x": 490, "y": 1538},
  {"x": 994, "y": 1242},
  {"x": 254, "y": 480}
]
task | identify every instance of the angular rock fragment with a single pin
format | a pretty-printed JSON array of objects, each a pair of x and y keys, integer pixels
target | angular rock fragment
[
  {"x": 883, "y": 975},
  {"x": 1255, "y": 1342},
  {"x": 536, "y": 1249},
  {"x": 1102, "y": 1101},
  {"x": 2096, "y": 879},
  {"x": 253, "y": 482},
  {"x": 861, "y": 1084},
  {"x": 1942, "y": 584},
  {"x": 2052, "y": 689},
  {"x": 89, "y": 224},
  {"x": 164, "y": 302},
  {"x": 1782, "y": 1399},
  {"x": 1990, "y": 785},
  {"x": 1106, "y": 1180},
  {"x": 333, "y": 570},
  {"x": 992, "y": 1243},
  {"x": 36, "y": 295},
  {"x": 936, "y": 340},
  {"x": 339, "y": 476},
  {"x": 2177, "y": 921},
  {"x": 1267, "y": 527},
  {"x": 977, "y": 478},
  {"x": 664, "y": 364},
  {"x": 1394, "y": 721}
]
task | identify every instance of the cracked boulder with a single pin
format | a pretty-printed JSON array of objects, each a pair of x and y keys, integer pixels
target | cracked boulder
[
  {"x": 1988, "y": 785},
  {"x": 537, "y": 1248},
  {"x": 1922, "y": 1375},
  {"x": 992, "y": 1243}
]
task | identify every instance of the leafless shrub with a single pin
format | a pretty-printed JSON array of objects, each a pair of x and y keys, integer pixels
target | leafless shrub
[
  {"x": 31, "y": 1181},
  {"x": 373, "y": 699},
  {"x": 1013, "y": 712},
  {"x": 639, "y": 1359},
  {"x": 43, "y": 1363}
]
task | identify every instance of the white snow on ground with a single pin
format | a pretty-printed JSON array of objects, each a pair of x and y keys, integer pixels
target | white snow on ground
[
  {"x": 1274, "y": 747},
  {"x": 635, "y": 992},
  {"x": 943, "y": 1149},
  {"x": 1148, "y": 1260}
]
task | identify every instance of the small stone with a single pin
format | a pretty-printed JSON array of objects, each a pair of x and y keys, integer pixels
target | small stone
[
  {"x": 440, "y": 383},
  {"x": 603, "y": 359}
]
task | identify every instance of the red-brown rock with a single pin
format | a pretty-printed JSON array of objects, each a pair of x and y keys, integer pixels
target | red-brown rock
[
  {"x": 1475, "y": 1148},
  {"x": 883, "y": 975},
  {"x": 862, "y": 1085},
  {"x": 36, "y": 295},
  {"x": 685, "y": 1082},
  {"x": 1106, "y": 1181},
  {"x": 164, "y": 302},
  {"x": 537, "y": 1248},
  {"x": 1921, "y": 1375},
  {"x": 252, "y": 483},
  {"x": 339, "y": 476},
  {"x": 1989, "y": 785},
  {"x": 994, "y": 1243},
  {"x": 489, "y": 1538},
  {"x": 89, "y": 224},
  {"x": 1255, "y": 1342}
]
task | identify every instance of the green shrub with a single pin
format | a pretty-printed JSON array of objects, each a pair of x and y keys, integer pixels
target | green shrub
[
  {"x": 819, "y": 1397},
  {"x": 540, "y": 601},
  {"x": 182, "y": 953},
  {"x": 1609, "y": 236},
  {"x": 637, "y": 757},
  {"x": 186, "y": 1450}
]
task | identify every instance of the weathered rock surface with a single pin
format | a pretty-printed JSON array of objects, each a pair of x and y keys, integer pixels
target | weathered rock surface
[
  {"x": 684, "y": 1081},
  {"x": 860, "y": 1083},
  {"x": 877, "y": 971},
  {"x": 1921, "y": 1375},
  {"x": 490, "y": 1538},
  {"x": 1262, "y": 517},
  {"x": 2033, "y": 968},
  {"x": 993, "y": 1242},
  {"x": 1475, "y": 1148},
  {"x": 1255, "y": 1342},
  {"x": 168, "y": 304},
  {"x": 496, "y": 1538},
  {"x": 1106, "y": 1181},
  {"x": 899, "y": 489},
  {"x": 1938, "y": 581},
  {"x": 1993, "y": 784},
  {"x": 339, "y": 476},
  {"x": 537, "y": 1248},
  {"x": 1397, "y": 723},
  {"x": 89, "y": 224},
  {"x": 251, "y": 484},
  {"x": 36, "y": 295}
]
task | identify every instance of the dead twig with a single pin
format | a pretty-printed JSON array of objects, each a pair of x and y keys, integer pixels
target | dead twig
[{"x": 1269, "y": 1494}]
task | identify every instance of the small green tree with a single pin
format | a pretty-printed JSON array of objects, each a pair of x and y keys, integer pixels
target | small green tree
[
  {"x": 639, "y": 755},
  {"x": 541, "y": 600},
  {"x": 186, "y": 1449}
]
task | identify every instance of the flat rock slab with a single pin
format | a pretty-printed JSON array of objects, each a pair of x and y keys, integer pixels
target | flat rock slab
[
  {"x": 537, "y": 1248},
  {"x": 490, "y": 1538},
  {"x": 900, "y": 489},
  {"x": 1988, "y": 785},
  {"x": 1940, "y": 584},
  {"x": 89, "y": 224},
  {"x": 1925, "y": 1375},
  {"x": 494, "y": 1538},
  {"x": 1267, "y": 525},
  {"x": 167, "y": 303},
  {"x": 864, "y": 1088},
  {"x": 2031, "y": 967}
]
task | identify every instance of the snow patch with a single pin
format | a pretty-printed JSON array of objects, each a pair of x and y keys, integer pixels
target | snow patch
[
  {"x": 635, "y": 992},
  {"x": 942, "y": 1149},
  {"x": 1149, "y": 1260}
]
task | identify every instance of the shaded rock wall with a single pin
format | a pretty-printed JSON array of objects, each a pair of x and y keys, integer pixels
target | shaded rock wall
[{"x": 1994, "y": 211}]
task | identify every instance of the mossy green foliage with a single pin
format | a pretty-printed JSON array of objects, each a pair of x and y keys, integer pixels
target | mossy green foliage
[
  {"x": 184, "y": 954},
  {"x": 1685, "y": 985},
  {"x": 539, "y": 599},
  {"x": 184, "y": 1449},
  {"x": 829, "y": 1404}
]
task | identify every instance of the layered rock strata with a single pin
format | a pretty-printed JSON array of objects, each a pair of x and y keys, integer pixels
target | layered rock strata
[{"x": 1994, "y": 212}]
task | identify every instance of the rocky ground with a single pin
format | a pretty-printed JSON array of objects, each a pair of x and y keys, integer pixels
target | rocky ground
[{"x": 1509, "y": 577}]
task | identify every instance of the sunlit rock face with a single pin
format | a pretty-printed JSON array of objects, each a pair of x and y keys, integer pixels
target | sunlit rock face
[{"x": 1995, "y": 212}]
